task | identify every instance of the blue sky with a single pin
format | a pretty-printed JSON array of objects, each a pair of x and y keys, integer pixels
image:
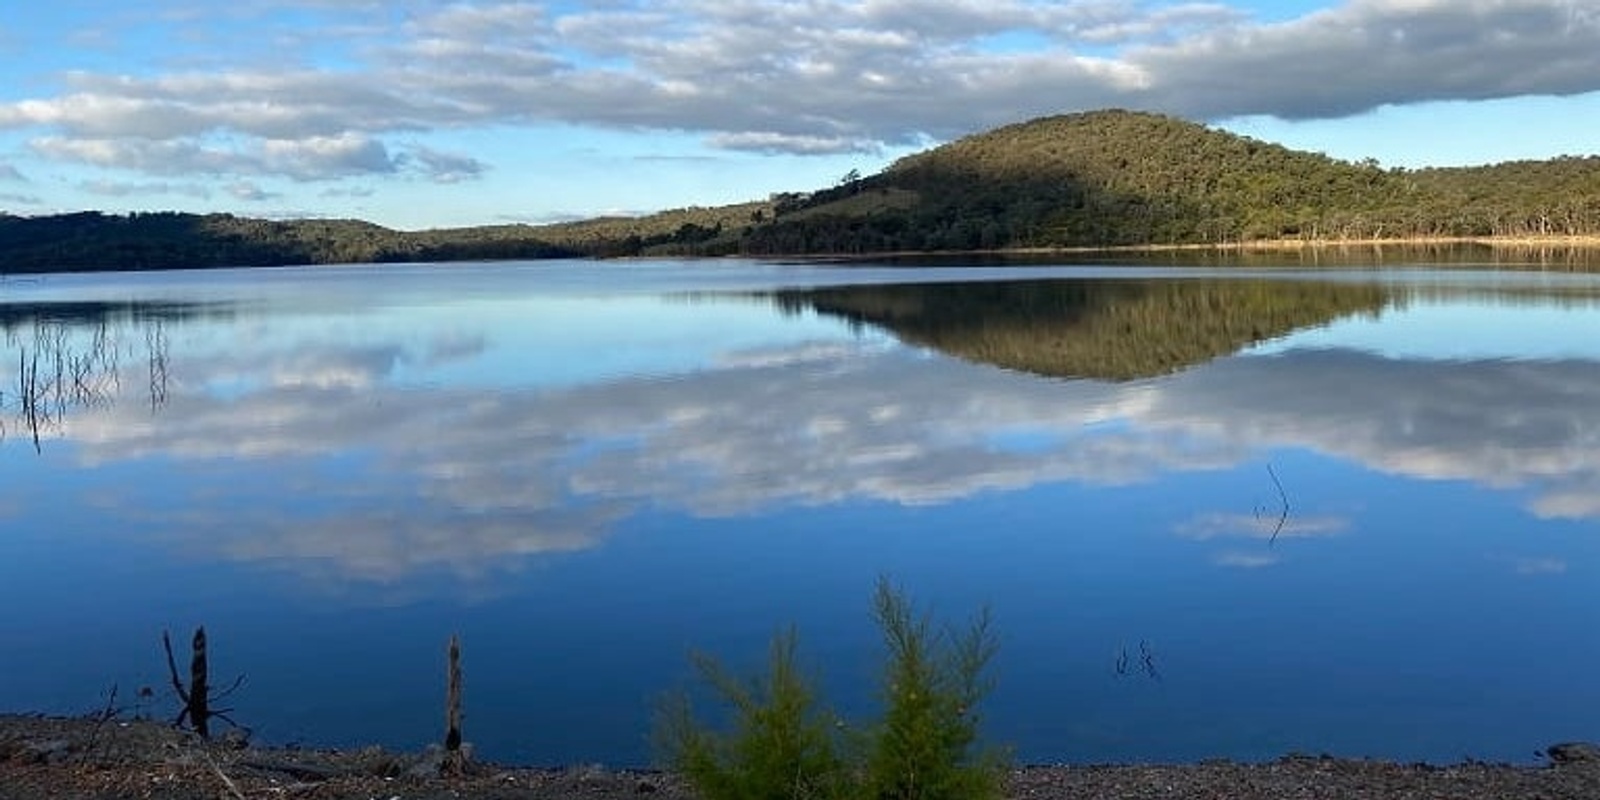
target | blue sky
[{"x": 423, "y": 113}]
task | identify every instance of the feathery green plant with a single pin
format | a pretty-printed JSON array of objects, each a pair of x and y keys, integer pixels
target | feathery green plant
[
  {"x": 781, "y": 746},
  {"x": 923, "y": 748}
]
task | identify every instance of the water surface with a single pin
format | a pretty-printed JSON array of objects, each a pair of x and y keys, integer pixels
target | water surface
[{"x": 1215, "y": 511}]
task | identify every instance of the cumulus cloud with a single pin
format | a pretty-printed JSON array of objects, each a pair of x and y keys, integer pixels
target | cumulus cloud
[
  {"x": 822, "y": 77},
  {"x": 1368, "y": 53},
  {"x": 308, "y": 159}
]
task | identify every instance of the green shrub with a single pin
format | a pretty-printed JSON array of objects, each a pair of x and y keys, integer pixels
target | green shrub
[
  {"x": 781, "y": 745},
  {"x": 923, "y": 748}
]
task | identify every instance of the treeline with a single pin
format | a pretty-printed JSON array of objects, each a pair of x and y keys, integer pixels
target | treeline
[
  {"x": 1097, "y": 179},
  {"x": 89, "y": 241},
  {"x": 93, "y": 241}
]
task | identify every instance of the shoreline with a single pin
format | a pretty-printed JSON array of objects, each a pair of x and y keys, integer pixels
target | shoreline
[
  {"x": 1584, "y": 244},
  {"x": 60, "y": 757}
]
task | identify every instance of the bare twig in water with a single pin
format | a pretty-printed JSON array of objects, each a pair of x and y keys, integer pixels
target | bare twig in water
[
  {"x": 1147, "y": 659},
  {"x": 1283, "y": 516},
  {"x": 177, "y": 683},
  {"x": 155, "y": 338},
  {"x": 104, "y": 715}
]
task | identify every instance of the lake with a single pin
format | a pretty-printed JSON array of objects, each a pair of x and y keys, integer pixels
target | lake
[{"x": 1215, "y": 512}]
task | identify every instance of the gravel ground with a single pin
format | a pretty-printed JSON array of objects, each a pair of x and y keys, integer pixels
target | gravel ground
[{"x": 77, "y": 758}]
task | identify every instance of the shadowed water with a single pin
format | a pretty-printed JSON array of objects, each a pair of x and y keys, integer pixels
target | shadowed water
[{"x": 1215, "y": 512}]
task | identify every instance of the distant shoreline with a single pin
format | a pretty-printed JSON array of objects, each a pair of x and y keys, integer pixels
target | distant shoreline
[
  {"x": 1582, "y": 245},
  {"x": 1583, "y": 242}
]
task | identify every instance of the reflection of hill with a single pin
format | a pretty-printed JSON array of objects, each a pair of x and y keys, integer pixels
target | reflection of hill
[{"x": 1111, "y": 329}]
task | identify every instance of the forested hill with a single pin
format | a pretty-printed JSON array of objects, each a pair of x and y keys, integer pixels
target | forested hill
[
  {"x": 1125, "y": 178},
  {"x": 94, "y": 241},
  {"x": 1094, "y": 179}
]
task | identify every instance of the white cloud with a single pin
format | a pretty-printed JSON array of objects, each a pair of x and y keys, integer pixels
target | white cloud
[
  {"x": 770, "y": 142},
  {"x": 308, "y": 159},
  {"x": 444, "y": 167},
  {"x": 820, "y": 77},
  {"x": 250, "y": 192},
  {"x": 108, "y": 188}
]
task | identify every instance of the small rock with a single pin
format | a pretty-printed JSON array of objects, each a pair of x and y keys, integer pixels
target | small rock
[
  {"x": 1573, "y": 752},
  {"x": 236, "y": 739},
  {"x": 53, "y": 751},
  {"x": 428, "y": 765}
]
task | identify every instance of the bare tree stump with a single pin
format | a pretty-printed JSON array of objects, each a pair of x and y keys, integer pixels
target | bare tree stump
[
  {"x": 197, "y": 696},
  {"x": 455, "y": 761},
  {"x": 199, "y": 686}
]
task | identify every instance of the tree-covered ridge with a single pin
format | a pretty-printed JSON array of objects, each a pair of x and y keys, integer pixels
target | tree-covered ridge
[
  {"x": 94, "y": 241},
  {"x": 1096, "y": 179},
  {"x": 169, "y": 240},
  {"x": 1111, "y": 178},
  {"x": 1107, "y": 330}
]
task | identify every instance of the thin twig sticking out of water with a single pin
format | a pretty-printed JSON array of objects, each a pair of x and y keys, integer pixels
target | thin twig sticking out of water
[
  {"x": 155, "y": 338},
  {"x": 1283, "y": 516}
]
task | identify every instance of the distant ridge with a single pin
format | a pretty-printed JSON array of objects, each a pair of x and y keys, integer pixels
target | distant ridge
[{"x": 1085, "y": 180}]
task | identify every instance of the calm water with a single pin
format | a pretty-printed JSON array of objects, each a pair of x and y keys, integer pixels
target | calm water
[{"x": 588, "y": 469}]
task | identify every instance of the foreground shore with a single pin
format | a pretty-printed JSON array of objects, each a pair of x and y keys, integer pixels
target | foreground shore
[{"x": 80, "y": 758}]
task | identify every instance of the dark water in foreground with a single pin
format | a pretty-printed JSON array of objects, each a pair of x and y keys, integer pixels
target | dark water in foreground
[{"x": 588, "y": 469}]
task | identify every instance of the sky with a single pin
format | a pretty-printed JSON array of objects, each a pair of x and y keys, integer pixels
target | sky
[{"x": 426, "y": 113}]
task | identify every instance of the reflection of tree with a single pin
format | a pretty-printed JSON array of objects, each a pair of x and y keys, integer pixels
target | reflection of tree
[
  {"x": 69, "y": 357},
  {"x": 1107, "y": 329}
]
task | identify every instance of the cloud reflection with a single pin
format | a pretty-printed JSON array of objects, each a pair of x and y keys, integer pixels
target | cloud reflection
[
  {"x": 1205, "y": 527},
  {"x": 469, "y": 482}
]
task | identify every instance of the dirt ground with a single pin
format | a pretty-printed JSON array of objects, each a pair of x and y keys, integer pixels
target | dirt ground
[{"x": 44, "y": 757}]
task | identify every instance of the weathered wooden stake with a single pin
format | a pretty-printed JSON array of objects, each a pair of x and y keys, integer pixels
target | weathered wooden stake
[
  {"x": 454, "y": 761},
  {"x": 199, "y": 686}
]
